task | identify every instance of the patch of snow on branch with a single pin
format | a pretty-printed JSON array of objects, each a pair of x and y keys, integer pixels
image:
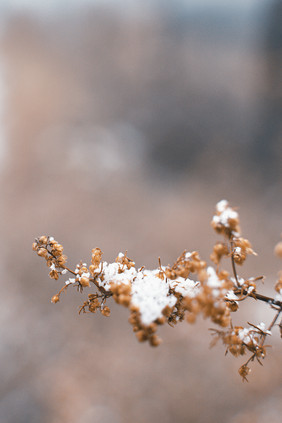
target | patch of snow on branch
[
  {"x": 151, "y": 295},
  {"x": 149, "y": 292}
]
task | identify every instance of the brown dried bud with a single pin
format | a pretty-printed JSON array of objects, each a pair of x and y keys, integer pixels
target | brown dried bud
[
  {"x": 278, "y": 286},
  {"x": 96, "y": 257},
  {"x": 105, "y": 311},
  {"x": 154, "y": 341},
  {"x": 92, "y": 269},
  {"x": 57, "y": 250},
  {"x": 84, "y": 282},
  {"x": 124, "y": 300},
  {"x": 93, "y": 307},
  {"x": 166, "y": 311},
  {"x": 42, "y": 252},
  {"x": 49, "y": 261},
  {"x": 152, "y": 328},
  {"x": 278, "y": 249},
  {"x": 54, "y": 275},
  {"x": 61, "y": 260},
  {"x": 244, "y": 371},
  {"x": 55, "y": 299},
  {"x": 34, "y": 246},
  {"x": 134, "y": 308},
  {"x": 141, "y": 336},
  {"x": 219, "y": 250},
  {"x": 232, "y": 305},
  {"x": 161, "y": 320},
  {"x": 239, "y": 256},
  {"x": 43, "y": 239}
]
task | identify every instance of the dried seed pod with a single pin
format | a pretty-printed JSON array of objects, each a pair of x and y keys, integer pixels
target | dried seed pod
[
  {"x": 54, "y": 274},
  {"x": 55, "y": 299},
  {"x": 278, "y": 249},
  {"x": 105, "y": 311},
  {"x": 244, "y": 371},
  {"x": 84, "y": 282},
  {"x": 42, "y": 252},
  {"x": 43, "y": 239},
  {"x": 154, "y": 340}
]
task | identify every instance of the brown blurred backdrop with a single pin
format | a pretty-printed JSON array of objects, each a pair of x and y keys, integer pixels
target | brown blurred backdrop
[{"x": 122, "y": 124}]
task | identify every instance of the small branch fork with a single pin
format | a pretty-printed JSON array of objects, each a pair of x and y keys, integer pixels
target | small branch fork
[{"x": 271, "y": 301}]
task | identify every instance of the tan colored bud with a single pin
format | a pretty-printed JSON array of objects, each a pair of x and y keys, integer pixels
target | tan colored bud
[
  {"x": 92, "y": 307},
  {"x": 154, "y": 341},
  {"x": 54, "y": 275},
  {"x": 62, "y": 259},
  {"x": 134, "y": 308},
  {"x": 43, "y": 239},
  {"x": 141, "y": 336},
  {"x": 166, "y": 311},
  {"x": 34, "y": 246},
  {"x": 278, "y": 249},
  {"x": 278, "y": 286},
  {"x": 49, "y": 261},
  {"x": 232, "y": 305},
  {"x": 244, "y": 371},
  {"x": 56, "y": 252},
  {"x": 96, "y": 256},
  {"x": 92, "y": 296},
  {"x": 105, "y": 311},
  {"x": 152, "y": 328},
  {"x": 92, "y": 269},
  {"x": 124, "y": 300},
  {"x": 126, "y": 289},
  {"x": 55, "y": 299},
  {"x": 161, "y": 320},
  {"x": 84, "y": 282},
  {"x": 42, "y": 252}
]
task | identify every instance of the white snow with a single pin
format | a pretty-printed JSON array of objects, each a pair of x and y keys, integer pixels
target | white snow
[
  {"x": 69, "y": 281},
  {"x": 213, "y": 281},
  {"x": 111, "y": 274},
  {"x": 149, "y": 292},
  {"x": 231, "y": 296},
  {"x": 262, "y": 326},
  {"x": 221, "y": 205},
  {"x": 151, "y": 295},
  {"x": 185, "y": 287},
  {"x": 225, "y": 216}
]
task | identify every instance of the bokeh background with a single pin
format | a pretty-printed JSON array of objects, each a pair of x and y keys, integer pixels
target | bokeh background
[{"x": 122, "y": 124}]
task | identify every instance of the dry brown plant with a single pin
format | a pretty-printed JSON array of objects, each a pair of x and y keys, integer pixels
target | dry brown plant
[{"x": 169, "y": 294}]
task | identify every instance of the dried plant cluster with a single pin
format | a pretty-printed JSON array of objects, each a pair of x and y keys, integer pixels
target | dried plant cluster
[{"x": 169, "y": 294}]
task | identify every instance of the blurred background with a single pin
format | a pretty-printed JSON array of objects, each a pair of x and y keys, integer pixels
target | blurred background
[{"x": 122, "y": 124}]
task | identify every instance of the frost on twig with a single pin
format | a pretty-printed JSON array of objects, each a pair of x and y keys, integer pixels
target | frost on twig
[{"x": 168, "y": 294}]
